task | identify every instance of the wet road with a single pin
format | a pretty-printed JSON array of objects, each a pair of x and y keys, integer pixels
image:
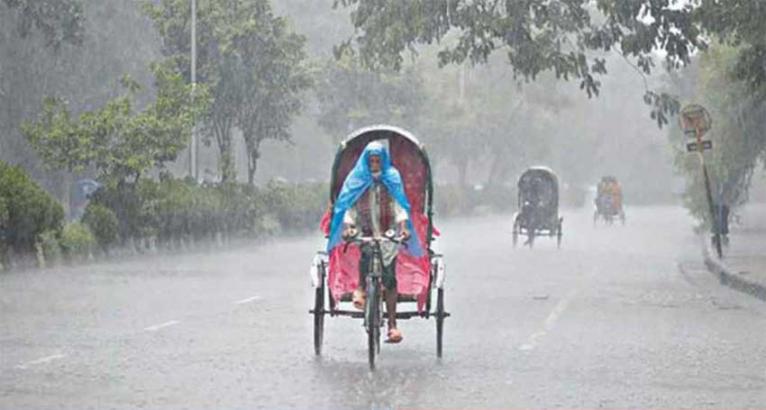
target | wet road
[{"x": 620, "y": 317}]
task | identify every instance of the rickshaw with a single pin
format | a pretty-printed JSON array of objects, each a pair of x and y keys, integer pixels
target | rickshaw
[
  {"x": 538, "y": 203},
  {"x": 608, "y": 201},
  {"x": 420, "y": 279}
]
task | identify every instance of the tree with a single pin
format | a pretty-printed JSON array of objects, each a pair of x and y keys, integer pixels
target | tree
[
  {"x": 26, "y": 210},
  {"x": 738, "y": 132},
  {"x": 537, "y": 35},
  {"x": 566, "y": 37},
  {"x": 251, "y": 62},
  {"x": 120, "y": 143},
  {"x": 60, "y": 21},
  {"x": 114, "y": 39},
  {"x": 351, "y": 96},
  {"x": 266, "y": 62}
]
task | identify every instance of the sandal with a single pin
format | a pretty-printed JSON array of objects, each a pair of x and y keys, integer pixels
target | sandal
[
  {"x": 394, "y": 336},
  {"x": 358, "y": 299}
]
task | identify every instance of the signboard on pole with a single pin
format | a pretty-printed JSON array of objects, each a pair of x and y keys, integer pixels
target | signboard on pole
[
  {"x": 694, "y": 146},
  {"x": 695, "y": 121}
]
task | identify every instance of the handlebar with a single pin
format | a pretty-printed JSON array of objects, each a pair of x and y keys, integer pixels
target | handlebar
[
  {"x": 372, "y": 239},
  {"x": 388, "y": 237}
]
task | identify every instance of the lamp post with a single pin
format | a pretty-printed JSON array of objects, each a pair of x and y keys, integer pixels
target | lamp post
[{"x": 193, "y": 145}]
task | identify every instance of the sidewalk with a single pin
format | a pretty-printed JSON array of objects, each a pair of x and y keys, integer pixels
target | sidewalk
[{"x": 744, "y": 263}]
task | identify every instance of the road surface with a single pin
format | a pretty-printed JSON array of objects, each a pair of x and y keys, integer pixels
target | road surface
[{"x": 619, "y": 317}]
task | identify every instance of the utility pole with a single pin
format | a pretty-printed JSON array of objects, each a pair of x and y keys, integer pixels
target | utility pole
[{"x": 193, "y": 145}]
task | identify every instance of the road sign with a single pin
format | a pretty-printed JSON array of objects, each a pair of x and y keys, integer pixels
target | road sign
[
  {"x": 693, "y": 146},
  {"x": 695, "y": 120}
]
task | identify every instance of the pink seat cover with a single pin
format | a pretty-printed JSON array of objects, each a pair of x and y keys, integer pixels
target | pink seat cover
[{"x": 412, "y": 273}]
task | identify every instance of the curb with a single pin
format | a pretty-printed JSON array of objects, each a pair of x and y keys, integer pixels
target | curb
[{"x": 731, "y": 279}]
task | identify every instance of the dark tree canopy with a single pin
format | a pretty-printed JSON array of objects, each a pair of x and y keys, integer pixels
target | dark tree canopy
[
  {"x": 536, "y": 35},
  {"x": 567, "y": 37},
  {"x": 60, "y": 21}
]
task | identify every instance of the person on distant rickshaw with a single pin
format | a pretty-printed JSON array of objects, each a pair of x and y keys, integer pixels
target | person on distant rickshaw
[
  {"x": 615, "y": 191},
  {"x": 609, "y": 194},
  {"x": 372, "y": 200}
]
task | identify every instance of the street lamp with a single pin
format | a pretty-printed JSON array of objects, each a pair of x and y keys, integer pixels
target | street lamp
[{"x": 193, "y": 146}]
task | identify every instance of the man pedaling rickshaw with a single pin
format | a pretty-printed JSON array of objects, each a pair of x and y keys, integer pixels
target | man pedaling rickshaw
[
  {"x": 373, "y": 202},
  {"x": 609, "y": 198}
]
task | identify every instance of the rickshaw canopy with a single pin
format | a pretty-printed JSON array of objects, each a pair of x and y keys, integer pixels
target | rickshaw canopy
[
  {"x": 539, "y": 181},
  {"x": 407, "y": 155}
]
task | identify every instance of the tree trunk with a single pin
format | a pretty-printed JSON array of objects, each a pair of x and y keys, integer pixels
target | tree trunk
[
  {"x": 498, "y": 169},
  {"x": 225, "y": 159},
  {"x": 462, "y": 171},
  {"x": 253, "y": 155},
  {"x": 226, "y": 164},
  {"x": 222, "y": 133}
]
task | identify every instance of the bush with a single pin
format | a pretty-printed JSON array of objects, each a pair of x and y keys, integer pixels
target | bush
[
  {"x": 295, "y": 206},
  {"x": 103, "y": 223},
  {"x": 51, "y": 247},
  {"x": 176, "y": 210},
  {"x": 450, "y": 200},
  {"x": 77, "y": 241},
  {"x": 28, "y": 209}
]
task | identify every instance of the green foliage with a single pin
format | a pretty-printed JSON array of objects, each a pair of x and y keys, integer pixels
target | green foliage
[
  {"x": 455, "y": 200},
  {"x": 738, "y": 133},
  {"x": 537, "y": 35},
  {"x": 4, "y": 214},
  {"x": 295, "y": 206},
  {"x": 51, "y": 247},
  {"x": 115, "y": 40},
  {"x": 60, "y": 21},
  {"x": 252, "y": 62},
  {"x": 174, "y": 209},
  {"x": 265, "y": 59},
  {"x": 77, "y": 241},
  {"x": 739, "y": 23},
  {"x": 120, "y": 143},
  {"x": 566, "y": 37},
  {"x": 351, "y": 96},
  {"x": 29, "y": 210},
  {"x": 103, "y": 223}
]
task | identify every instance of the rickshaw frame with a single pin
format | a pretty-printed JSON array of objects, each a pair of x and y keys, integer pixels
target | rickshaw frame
[
  {"x": 549, "y": 226},
  {"x": 608, "y": 214},
  {"x": 324, "y": 302}
]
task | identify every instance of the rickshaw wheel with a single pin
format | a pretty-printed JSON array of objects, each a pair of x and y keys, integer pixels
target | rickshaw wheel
[
  {"x": 319, "y": 319},
  {"x": 373, "y": 324},
  {"x": 439, "y": 321},
  {"x": 559, "y": 235}
]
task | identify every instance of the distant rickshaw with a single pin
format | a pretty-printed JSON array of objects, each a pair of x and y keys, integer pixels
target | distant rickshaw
[
  {"x": 538, "y": 213},
  {"x": 608, "y": 202}
]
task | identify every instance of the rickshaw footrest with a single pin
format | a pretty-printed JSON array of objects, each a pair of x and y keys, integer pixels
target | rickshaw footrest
[{"x": 360, "y": 314}]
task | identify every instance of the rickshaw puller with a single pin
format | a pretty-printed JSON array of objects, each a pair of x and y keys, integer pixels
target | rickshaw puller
[{"x": 375, "y": 212}]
